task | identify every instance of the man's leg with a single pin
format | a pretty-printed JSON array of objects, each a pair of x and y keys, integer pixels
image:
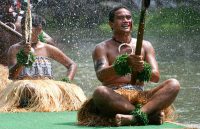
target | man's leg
[
  {"x": 162, "y": 97},
  {"x": 110, "y": 103}
]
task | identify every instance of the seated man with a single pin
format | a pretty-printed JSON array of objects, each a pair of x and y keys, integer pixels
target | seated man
[
  {"x": 10, "y": 17},
  {"x": 120, "y": 102},
  {"x": 30, "y": 69}
]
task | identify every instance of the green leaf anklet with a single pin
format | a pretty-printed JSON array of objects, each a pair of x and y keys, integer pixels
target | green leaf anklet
[
  {"x": 26, "y": 60},
  {"x": 140, "y": 118},
  {"x": 121, "y": 65}
]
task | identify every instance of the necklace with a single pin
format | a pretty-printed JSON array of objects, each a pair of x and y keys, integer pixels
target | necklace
[
  {"x": 120, "y": 42},
  {"x": 123, "y": 44}
]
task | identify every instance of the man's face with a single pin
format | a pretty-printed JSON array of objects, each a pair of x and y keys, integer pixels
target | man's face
[
  {"x": 7, "y": 12},
  {"x": 122, "y": 21}
]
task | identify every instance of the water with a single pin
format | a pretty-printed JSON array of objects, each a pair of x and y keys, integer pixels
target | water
[{"x": 187, "y": 102}]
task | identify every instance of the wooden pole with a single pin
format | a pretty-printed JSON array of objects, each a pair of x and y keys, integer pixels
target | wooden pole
[
  {"x": 140, "y": 34},
  {"x": 10, "y": 30}
]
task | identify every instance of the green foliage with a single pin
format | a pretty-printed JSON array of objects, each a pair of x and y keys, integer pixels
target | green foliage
[
  {"x": 121, "y": 65},
  {"x": 122, "y": 68},
  {"x": 145, "y": 75},
  {"x": 171, "y": 21},
  {"x": 165, "y": 21},
  {"x": 25, "y": 60},
  {"x": 66, "y": 79},
  {"x": 41, "y": 37},
  {"x": 141, "y": 118},
  {"x": 105, "y": 28}
]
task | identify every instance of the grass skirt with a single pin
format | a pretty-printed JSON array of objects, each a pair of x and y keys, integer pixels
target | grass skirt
[
  {"x": 4, "y": 77},
  {"x": 89, "y": 115},
  {"x": 41, "y": 96}
]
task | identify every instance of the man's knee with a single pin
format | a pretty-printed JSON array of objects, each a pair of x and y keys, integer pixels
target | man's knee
[
  {"x": 100, "y": 91},
  {"x": 173, "y": 85}
]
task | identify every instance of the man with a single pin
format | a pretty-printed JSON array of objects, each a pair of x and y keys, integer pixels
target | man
[
  {"x": 113, "y": 100},
  {"x": 12, "y": 19}
]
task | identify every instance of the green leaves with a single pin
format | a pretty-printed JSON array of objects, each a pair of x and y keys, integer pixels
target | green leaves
[
  {"x": 145, "y": 75},
  {"x": 141, "y": 118},
  {"x": 121, "y": 65},
  {"x": 66, "y": 79},
  {"x": 122, "y": 68},
  {"x": 41, "y": 37},
  {"x": 26, "y": 60}
]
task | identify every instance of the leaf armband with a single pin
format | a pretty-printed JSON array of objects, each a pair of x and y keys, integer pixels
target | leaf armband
[
  {"x": 121, "y": 66},
  {"x": 145, "y": 75}
]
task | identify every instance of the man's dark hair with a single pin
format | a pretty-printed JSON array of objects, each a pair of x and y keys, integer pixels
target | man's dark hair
[
  {"x": 36, "y": 20},
  {"x": 112, "y": 12}
]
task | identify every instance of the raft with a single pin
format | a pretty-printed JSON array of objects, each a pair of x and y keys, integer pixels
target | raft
[{"x": 61, "y": 120}]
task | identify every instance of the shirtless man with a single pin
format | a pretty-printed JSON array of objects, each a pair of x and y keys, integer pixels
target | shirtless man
[
  {"x": 12, "y": 19},
  {"x": 109, "y": 102}
]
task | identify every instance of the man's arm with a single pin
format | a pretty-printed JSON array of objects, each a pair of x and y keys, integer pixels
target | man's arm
[
  {"x": 60, "y": 57},
  {"x": 104, "y": 71},
  {"x": 150, "y": 58}
]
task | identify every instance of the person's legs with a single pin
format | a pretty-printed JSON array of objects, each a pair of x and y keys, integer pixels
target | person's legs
[
  {"x": 110, "y": 103},
  {"x": 161, "y": 97}
]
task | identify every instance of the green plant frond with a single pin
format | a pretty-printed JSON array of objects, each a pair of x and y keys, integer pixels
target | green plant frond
[
  {"x": 121, "y": 65},
  {"x": 26, "y": 60}
]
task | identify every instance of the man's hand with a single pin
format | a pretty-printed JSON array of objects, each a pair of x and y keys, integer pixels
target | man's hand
[{"x": 136, "y": 62}]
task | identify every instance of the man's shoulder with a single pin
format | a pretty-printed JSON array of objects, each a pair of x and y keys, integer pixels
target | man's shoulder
[
  {"x": 147, "y": 46},
  {"x": 147, "y": 43},
  {"x": 102, "y": 46},
  {"x": 103, "y": 43}
]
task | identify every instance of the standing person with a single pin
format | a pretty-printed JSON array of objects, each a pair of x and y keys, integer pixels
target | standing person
[
  {"x": 116, "y": 102},
  {"x": 12, "y": 18},
  {"x": 32, "y": 88}
]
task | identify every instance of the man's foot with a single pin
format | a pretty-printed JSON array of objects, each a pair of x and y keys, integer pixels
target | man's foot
[
  {"x": 157, "y": 118},
  {"x": 121, "y": 119}
]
